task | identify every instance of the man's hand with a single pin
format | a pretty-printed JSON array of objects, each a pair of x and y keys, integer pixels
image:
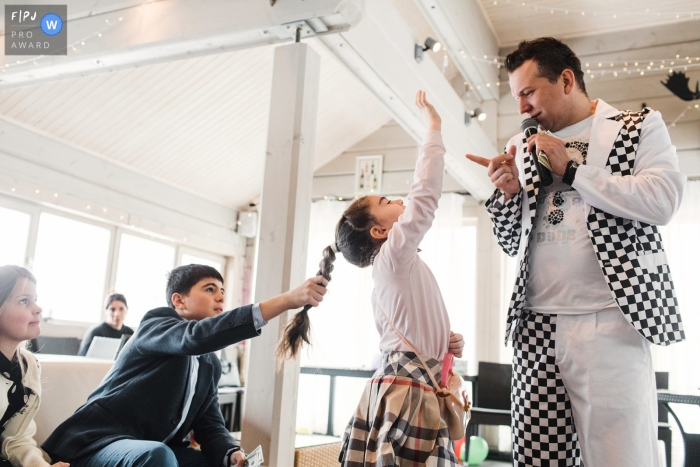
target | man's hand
[
  {"x": 237, "y": 459},
  {"x": 502, "y": 171},
  {"x": 430, "y": 115},
  {"x": 553, "y": 147},
  {"x": 456, "y": 344},
  {"x": 60, "y": 464}
]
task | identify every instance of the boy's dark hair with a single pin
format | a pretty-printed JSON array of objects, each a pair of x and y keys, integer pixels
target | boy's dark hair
[
  {"x": 183, "y": 278},
  {"x": 552, "y": 57},
  {"x": 115, "y": 296}
]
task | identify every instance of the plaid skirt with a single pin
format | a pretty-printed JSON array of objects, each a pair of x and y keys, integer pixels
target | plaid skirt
[{"x": 397, "y": 422}]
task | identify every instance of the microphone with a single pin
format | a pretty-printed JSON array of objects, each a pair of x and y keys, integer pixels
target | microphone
[{"x": 529, "y": 127}]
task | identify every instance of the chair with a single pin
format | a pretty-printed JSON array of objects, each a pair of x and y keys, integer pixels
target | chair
[
  {"x": 664, "y": 427},
  {"x": 491, "y": 404}
]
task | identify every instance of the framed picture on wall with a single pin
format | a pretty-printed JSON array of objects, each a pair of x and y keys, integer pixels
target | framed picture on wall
[{"x": 368, "y": 174}]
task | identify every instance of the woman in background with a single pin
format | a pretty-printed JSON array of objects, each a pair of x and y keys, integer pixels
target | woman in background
[
  {"x": 20, "y": 375},
  {"x": 113, "y": 325}
]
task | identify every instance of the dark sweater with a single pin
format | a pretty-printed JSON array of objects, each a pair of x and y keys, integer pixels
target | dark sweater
[
  {"x": 102, "y": 330},
  {"x": 142, "y": 397}
]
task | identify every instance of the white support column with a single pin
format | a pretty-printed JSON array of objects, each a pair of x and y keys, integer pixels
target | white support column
[{"x": 270, "y": 407}]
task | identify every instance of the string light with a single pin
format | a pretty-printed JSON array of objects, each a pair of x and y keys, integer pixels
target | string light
[{"x": 692, "y": 14}]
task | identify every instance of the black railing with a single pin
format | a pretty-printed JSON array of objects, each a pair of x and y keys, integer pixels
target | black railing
[{"x": 333, "y": 373}]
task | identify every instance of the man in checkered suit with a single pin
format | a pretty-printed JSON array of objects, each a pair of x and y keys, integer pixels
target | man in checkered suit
[{"x": 593, "y": 288}]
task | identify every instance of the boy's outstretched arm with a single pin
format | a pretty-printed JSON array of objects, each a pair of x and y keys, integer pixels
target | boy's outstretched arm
[{"x": 310, "y": 292}]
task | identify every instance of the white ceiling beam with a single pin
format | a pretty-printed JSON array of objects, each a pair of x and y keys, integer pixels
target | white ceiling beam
[
  {"x": 464, "y": 31},
  {"x": 155, "y": 32},
  {"x": 379, "y": 51},
  {"x": 43, "y": 169}
]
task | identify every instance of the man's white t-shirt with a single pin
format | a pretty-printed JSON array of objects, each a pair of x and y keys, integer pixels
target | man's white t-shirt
[{"x": 565, "y": 276}]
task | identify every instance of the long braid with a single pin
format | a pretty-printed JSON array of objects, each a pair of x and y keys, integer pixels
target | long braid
[
  {"x": 297, "y": 330},
  {"x": 353, "y": 240}
]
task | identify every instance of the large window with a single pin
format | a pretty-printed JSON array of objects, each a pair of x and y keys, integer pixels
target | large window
[
  {"x": 13, "y": 236},
  {"x": 70, "y": 266},
  {"x": 142, "y": 271},
  {"x": 343, "y": 330},
  {"x": 78, "y": 261},
  {"x": 195, "y": 258}
]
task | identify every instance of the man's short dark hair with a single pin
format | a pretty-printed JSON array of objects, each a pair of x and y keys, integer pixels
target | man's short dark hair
[
  {"x": 552, "y": 57},
  {"x": 183, "y": 278}
]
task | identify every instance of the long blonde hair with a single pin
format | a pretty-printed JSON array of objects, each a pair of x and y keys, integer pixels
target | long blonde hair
[{"x": 12, "y": 277}]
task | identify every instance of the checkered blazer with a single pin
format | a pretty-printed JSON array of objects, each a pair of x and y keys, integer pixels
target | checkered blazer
[{"x": 625, "y": 204}]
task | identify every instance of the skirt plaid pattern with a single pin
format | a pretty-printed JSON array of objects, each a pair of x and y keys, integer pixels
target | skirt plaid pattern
[{"x": 397, "y": 422}]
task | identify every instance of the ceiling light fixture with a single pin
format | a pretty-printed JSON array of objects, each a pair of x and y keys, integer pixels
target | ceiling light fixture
[
  {"x": 476, "y": 113},
  {"x": 429, "y": 44}
]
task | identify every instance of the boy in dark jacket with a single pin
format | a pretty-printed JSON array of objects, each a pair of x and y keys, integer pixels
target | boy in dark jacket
[{"x": 164, "y": 382}]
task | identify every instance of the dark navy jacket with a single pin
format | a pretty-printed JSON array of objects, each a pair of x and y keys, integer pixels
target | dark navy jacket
[{"x": 142, "y": 397}]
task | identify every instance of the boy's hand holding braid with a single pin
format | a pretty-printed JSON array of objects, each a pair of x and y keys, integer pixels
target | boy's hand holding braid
[{"x": 309, "y": 294}]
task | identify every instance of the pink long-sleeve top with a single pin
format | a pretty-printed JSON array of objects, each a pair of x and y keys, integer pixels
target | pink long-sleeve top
[{"x": 404, "y": 286}]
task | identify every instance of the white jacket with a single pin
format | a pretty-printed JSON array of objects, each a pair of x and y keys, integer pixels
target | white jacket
[
  {"x": 18, "y": 445},
  {"x": 630, "y": 184}
]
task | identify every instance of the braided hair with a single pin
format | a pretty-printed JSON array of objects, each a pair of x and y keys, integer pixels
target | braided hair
[{"x": 353, "y": 240}]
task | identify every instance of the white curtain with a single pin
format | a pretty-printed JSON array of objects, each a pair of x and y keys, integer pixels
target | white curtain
[
  {"x": 343, "y": 331},
  {"x": 681, "y": 238}
]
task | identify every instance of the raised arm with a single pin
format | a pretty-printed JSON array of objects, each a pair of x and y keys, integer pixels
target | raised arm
[{"x": 409, "y": 230}]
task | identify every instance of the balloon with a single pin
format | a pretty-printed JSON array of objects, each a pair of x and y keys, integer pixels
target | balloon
[{"x": 478, "y": 450}]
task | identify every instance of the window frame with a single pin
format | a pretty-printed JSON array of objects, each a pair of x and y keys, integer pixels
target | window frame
[{"x": 116, "y": 231}]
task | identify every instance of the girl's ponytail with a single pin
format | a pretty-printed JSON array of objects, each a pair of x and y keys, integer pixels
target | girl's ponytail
[{"x": 297, "y": 330}]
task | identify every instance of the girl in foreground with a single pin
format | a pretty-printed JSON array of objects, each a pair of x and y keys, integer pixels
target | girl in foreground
[
  {"x": 20, "y": 387},
  {"x": 397, "y": 422}
]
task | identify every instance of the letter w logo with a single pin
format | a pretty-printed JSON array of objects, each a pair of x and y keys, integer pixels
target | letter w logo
[{"x": 51, "y": 24}]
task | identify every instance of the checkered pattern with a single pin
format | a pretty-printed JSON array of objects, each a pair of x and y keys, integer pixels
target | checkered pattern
[
  {"x": 647, "y": 297},
  {"x": 398, "y": 422},
  {"x": 543, "y": 426}
]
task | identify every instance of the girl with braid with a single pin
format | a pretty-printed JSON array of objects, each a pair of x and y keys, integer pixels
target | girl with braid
[{"x": 397, "y": 422}]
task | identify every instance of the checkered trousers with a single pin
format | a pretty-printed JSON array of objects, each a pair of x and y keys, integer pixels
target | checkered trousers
[
  {"x": 397, "y": 422},
  {"x": 542, "y": 421},
  {"x": 646, "y": 296}
]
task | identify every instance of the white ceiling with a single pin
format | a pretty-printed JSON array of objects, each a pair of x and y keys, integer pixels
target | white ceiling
[
  {"x": 513, "y": 20},
  {"x": 198, "y": 123},
  {"x": 201, "y": 123}
]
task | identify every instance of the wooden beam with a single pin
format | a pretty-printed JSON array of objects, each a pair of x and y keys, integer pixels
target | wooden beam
[
  {"x": 271, "y": 394},
  {"x": 464, "y": 30},
  {"x": 43, "y": 169},
  {"x": 155, "y": 32},
  {"x": 379, "y": 51}
]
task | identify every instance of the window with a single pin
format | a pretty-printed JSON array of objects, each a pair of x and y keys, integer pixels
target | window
[
  {"x": 343, "y": 332},
  {"x": 188, "y": 258},
  {"x": 13, "y": 236},
  {"x": 142, "y": 270},
  {"x": 71, "y": 266}
]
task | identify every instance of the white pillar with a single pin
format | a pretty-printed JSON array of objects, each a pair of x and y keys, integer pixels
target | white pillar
[{"x": 271, "y": 396}]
